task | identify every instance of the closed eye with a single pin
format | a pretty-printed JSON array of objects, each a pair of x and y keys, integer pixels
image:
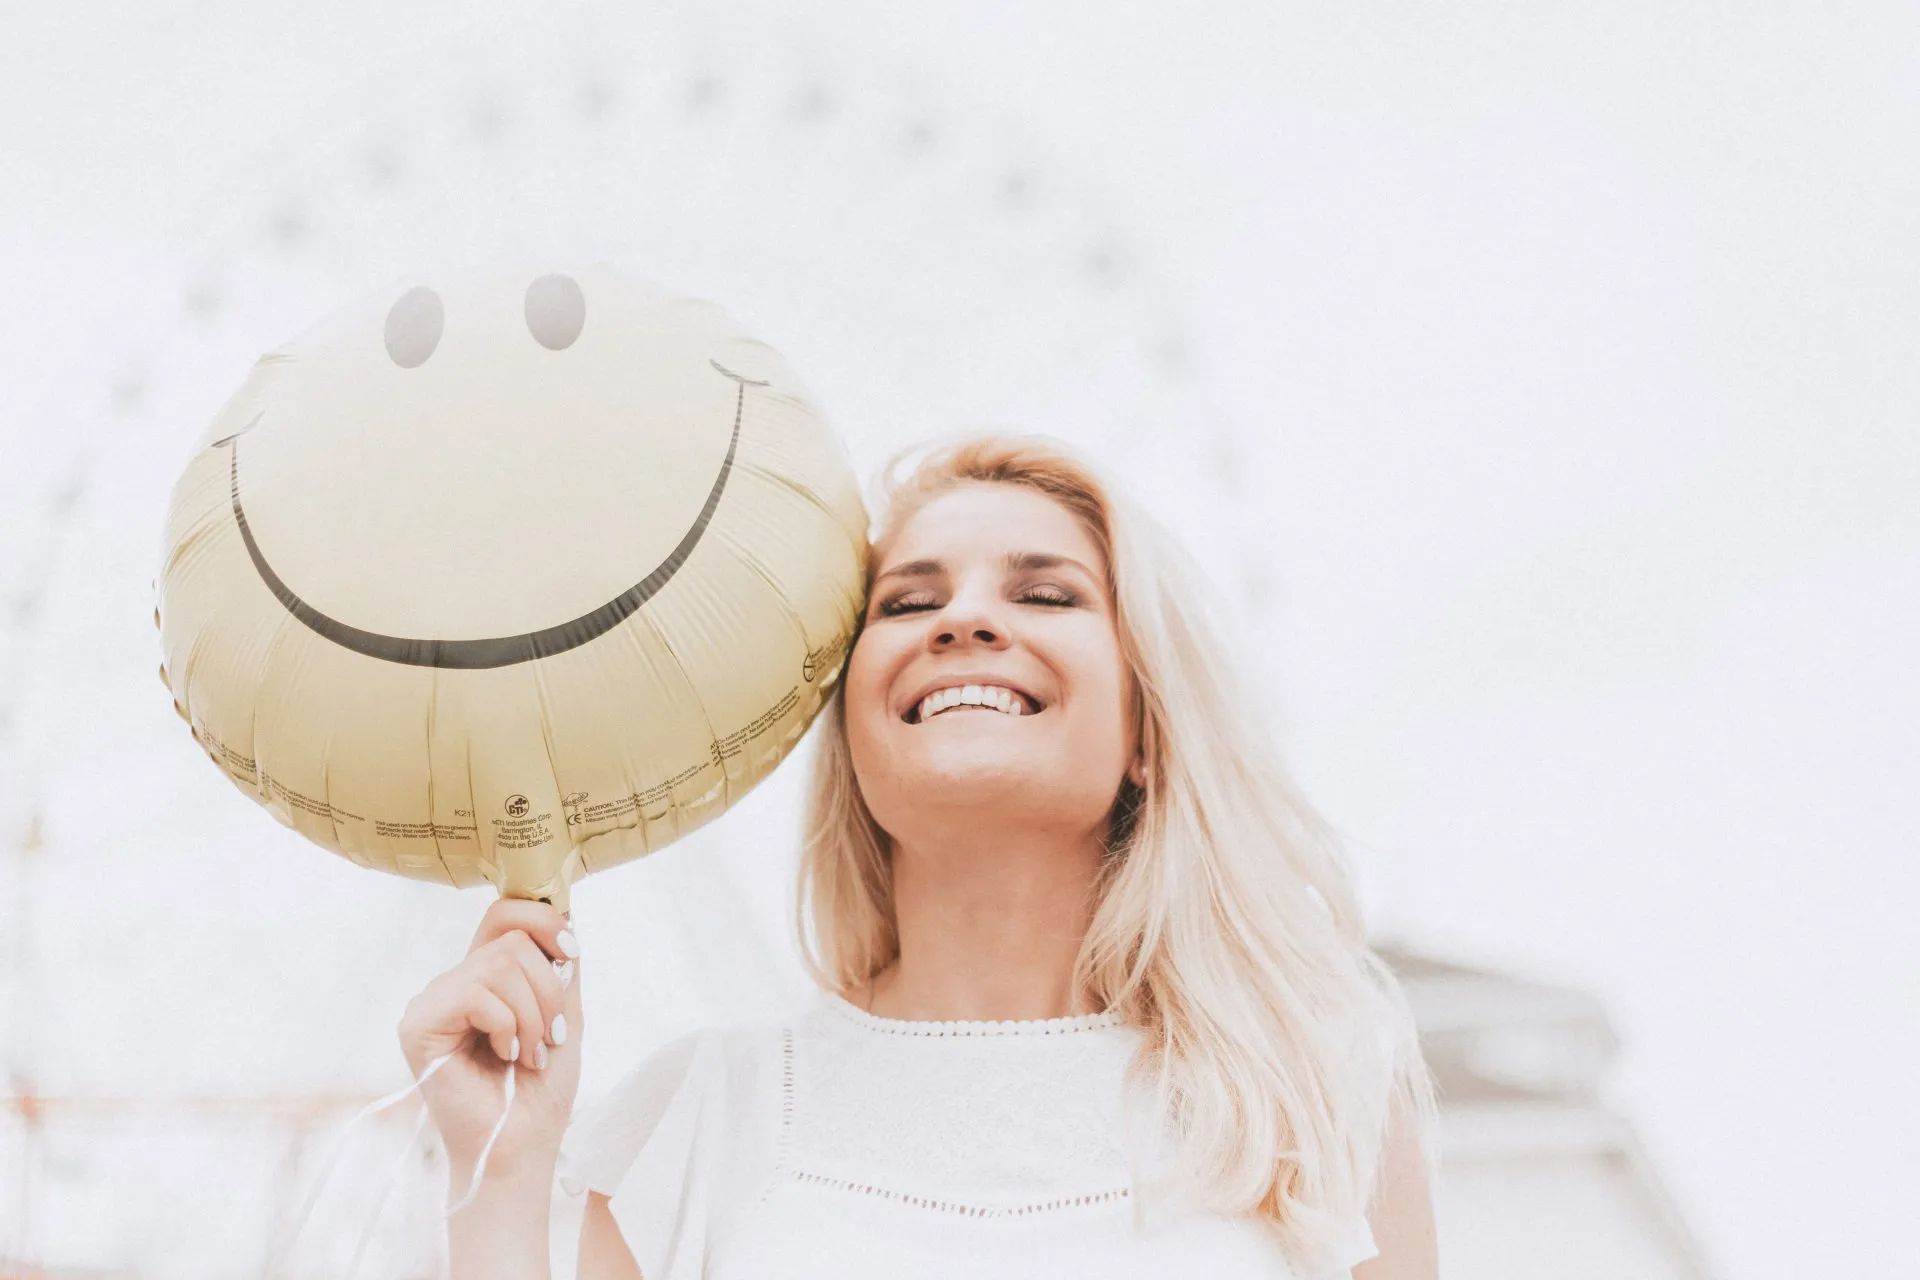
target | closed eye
[{"x": 1050, "y": 596}]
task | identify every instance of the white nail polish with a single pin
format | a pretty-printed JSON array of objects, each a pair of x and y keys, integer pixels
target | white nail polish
[
  {"x": 563, "y": 969},
  {"x": 540, "y": 1057},
  {"x": 513, "y": 1050},
  {"x": 559, "y": 1034},
  {"x": 568, "y": 946}
]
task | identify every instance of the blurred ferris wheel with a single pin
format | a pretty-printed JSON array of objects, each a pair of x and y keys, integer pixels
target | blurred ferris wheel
[{"x": 927, "y": 266}]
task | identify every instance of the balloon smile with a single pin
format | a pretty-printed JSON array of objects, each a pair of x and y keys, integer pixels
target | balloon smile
[{"x": 495, "y": 651}]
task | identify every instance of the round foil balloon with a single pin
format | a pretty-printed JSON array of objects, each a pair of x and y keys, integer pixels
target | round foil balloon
[{"x": 510, "y": 578}]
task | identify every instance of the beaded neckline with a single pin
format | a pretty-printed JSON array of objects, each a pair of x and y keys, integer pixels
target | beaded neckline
[{"x": 967, "y": 1027}]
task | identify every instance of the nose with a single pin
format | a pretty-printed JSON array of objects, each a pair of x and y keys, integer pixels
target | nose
[{"x": 964, "y": 623}]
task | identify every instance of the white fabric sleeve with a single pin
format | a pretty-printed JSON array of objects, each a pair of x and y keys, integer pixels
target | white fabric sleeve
[
  {"x": 1353, "y": 1248},
  {"x": 651, "y": 1146}
]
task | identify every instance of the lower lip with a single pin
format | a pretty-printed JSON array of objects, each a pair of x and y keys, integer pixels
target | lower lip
[{"x": 1001, "y": 715}]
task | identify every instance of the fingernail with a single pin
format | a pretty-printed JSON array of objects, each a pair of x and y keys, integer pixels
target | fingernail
[
  {"x": 564, "y": 968},
  {"x": 540, "y": 1057},
  {"x": 513, "y": 1051},
  {"x": 559, "y": 1032},
  {"x": 568, "y": 947}
]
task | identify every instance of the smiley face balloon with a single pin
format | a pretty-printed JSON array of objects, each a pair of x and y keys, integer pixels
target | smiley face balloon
[{"x": 510, "y": 578}]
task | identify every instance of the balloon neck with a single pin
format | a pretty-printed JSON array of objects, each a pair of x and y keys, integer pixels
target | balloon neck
[
  {"x": 559, "y": 897},
  {"x": 554, "y": 887}
]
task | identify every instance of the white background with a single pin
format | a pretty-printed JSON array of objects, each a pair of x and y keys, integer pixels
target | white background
[{"x": 1578, "y": 349}]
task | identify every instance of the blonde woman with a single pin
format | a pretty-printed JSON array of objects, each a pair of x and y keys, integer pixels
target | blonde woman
[{"x": 1094, "y": 997}]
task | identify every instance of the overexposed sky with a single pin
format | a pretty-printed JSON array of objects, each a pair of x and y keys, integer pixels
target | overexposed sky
[{"x": 1570, "y": 352}]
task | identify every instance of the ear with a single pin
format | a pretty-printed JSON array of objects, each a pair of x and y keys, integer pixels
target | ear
[{"x": 1137, "y": 772}]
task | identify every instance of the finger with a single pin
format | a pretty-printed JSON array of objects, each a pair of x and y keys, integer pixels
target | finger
[
  {"x": 493, "y": 1018},
  {"x": 544, "y": 976},
  {"x": 446, "y": 1013},
  {"x": 538, "y": 920},
  {"x": 503, "y": 976}
]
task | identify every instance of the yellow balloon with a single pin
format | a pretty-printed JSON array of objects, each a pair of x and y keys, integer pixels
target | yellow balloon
[{"x": 509, "y": 578}]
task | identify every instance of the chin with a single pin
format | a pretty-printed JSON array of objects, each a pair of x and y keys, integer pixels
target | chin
[
  {"x": 980, "y": 792},
  {"x": 959, "y": 781}
]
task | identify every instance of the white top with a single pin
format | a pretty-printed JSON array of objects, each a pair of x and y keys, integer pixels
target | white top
[{"x": 843, "y": 1144}]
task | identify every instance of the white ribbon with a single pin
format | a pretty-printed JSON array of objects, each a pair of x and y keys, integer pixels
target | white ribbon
[{"x": 374, "y": 1108}]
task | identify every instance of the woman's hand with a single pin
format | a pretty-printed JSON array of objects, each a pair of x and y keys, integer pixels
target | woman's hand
[{"x": 515, "y": 997}]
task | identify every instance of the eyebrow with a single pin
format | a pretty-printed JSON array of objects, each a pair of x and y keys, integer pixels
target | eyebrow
[{"x": 1012, "y": 562}]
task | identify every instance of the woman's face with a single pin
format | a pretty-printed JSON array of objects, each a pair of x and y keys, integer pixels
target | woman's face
[{"x": 990, "y": 585}]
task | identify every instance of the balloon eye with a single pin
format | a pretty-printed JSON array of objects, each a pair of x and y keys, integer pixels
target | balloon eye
[
  {"x": 556, "y": 311},
  {"x": 414, "y": 325}
]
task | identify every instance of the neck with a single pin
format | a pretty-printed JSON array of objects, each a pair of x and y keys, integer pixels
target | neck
[{"x": 990, "y": 923}]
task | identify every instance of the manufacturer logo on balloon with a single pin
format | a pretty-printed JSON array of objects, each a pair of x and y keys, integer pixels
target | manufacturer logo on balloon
[{"x": 517, "y": 806}]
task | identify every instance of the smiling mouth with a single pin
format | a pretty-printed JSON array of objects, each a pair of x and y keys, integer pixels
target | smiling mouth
[
  {"x": 494, "y": 651},
  {"x": 1027, "y": 707}
]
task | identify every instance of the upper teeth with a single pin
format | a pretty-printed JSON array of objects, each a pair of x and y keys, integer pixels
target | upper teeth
[{"x": 972, "y": 695}]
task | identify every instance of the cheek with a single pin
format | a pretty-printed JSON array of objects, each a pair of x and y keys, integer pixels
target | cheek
[
  {"x": 866, "y": 694},
  {"x": 1107, "y": 695}
]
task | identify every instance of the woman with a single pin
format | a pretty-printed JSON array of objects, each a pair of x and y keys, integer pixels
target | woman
[{"x": 1095, "y": 998}]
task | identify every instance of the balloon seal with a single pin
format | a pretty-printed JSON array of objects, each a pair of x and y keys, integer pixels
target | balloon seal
[{"x": 555, "y": 890}]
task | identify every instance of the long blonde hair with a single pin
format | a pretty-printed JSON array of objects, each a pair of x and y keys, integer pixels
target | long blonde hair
[{"x": 1225, "y": 923}]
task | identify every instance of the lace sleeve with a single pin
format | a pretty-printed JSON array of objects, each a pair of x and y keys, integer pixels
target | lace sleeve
[{"x": 649, "y": 1146}]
